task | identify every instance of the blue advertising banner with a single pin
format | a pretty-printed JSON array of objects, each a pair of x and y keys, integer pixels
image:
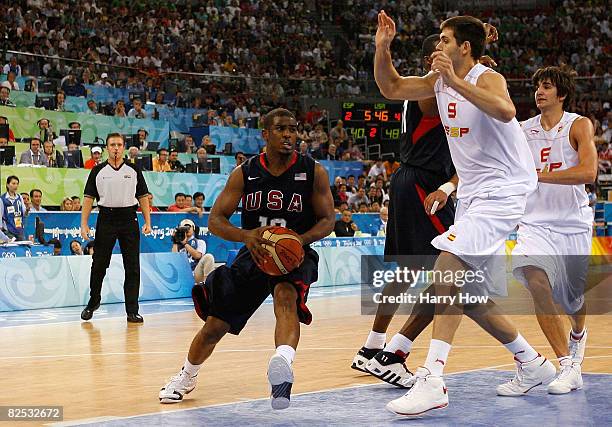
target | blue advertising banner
[{"x": 246, "y": 140}]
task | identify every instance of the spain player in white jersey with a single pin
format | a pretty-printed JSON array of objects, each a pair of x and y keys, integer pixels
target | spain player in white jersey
[
  {"x": 496, "y": 174},
  {"x": 554, "y": 238}
]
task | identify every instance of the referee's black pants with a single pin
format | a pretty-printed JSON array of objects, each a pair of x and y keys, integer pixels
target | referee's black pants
[{"x": 113, "y": 224}]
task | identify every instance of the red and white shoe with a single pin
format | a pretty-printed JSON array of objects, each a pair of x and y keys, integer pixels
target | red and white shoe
[
  {"x": 428, "y": 392},
  {"x": 528, "y": 376}
]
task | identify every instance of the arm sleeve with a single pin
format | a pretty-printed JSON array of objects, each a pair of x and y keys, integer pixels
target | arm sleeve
[
  {"x": 91, "y": 189},
  {"x": 141, "y": 185}
]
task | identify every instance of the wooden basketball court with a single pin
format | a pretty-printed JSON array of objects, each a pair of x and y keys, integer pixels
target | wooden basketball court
[{"x": 109, "y": 368}]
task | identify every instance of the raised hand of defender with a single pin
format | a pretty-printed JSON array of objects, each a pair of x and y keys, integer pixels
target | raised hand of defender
[
  {"x": 435, "y": 201},
  {"x": 492, "y": 35},
  {"x": 385, "y": 32},
  {"x": 441, "y": 63},
  {"x": 253, "y": 241}
]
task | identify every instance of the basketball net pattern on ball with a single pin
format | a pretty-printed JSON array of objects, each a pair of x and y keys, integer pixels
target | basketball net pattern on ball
[{"x": 272, "y": 237}]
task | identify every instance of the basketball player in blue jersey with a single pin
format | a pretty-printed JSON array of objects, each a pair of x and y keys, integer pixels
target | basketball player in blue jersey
[
  {"x": 277, "y": 188},
  {"x": 496, "y": 174}
]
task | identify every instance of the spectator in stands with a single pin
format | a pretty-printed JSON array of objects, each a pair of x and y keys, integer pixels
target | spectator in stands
[
  {"x": 76, "y": 248},
  {"x": 303, "y": 150},
  {"x": 137, "y": 111},
  {"x": 314, "y": 115},
  {"x": 12, "y": 66},
  {"x": 201, "y": 156},
  {"x": 175, "y": 164},
  {"x": 57, "y": 246},
  {"x": 54, "y": 158},
  {"x": 357, "y": 198},
  {"x": 95, "y": 159},
  {"x": 345, "y": 227},
  {"x": 92, "y": 107},
  {"x": 373, "y": 196},
  {"x": 72, "y": 87},
  {"x": 120, "y": 109},
  {"x": 66, "y": 205},
  {"x": 45, "y": 132},
  {"x": 188, "y": 200},
  {"x": 142, "y": 138},
  {"x": 36, "y": 199},
  {"x": 338, "y": 132},
  {"x": 34, "y": 156},
  {"x": 60, "y": 101},
  {"x": 11, "y": 135},
  {"x": 190, "y": 147},
  {"x": 198, "y": 200},
  {"x": 76, "y": 203},
  {"x": 378, "y": 169},
  {"x": 180, "y": 101},
  {"x": 160, "y": 163},
  {"x": 350, "y": 184},
  {"x": 240, "y": 158},
  {"x": 318, "y": 138},
  {"x": 104, "y": 81},
  {"x": 241, "y": 111},
  {"x": 375, "y": 207},
  {"x": 384, "y": 217},
  {"x": 207, "y": 142},
  {"x": 363, "y": 208},
  {"x": 132, "y": 154},
  {"x": 11, "y": 82},
  {"x": 12, "y": 210},
  {"x": 254, "y": 114},
  {"x": 391, "y": 165},
  {"x": 179, "y": 205},
  {"x": 5, "y": 92},
  {"x": 26, "y": 201},
  {"x": 331, "y": 152}
]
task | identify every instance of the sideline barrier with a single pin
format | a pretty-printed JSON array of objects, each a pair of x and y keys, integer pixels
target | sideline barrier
[{"x": 49, "y": 282}]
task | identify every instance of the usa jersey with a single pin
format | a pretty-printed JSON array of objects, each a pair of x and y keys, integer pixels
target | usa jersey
[
  {"x": 423, "y": 145},
  {"x": 563, "y": 208},
  {"x": 491, "y": 157},
  {"x": 283, "y": 200}
]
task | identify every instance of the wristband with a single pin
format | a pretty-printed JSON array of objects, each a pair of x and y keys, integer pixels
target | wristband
[{"x": 448, "y": 188}]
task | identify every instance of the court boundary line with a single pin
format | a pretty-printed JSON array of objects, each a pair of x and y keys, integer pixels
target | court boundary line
[
  {"x": 86, "y": 421},
  {"x": 257, "y": 350}
]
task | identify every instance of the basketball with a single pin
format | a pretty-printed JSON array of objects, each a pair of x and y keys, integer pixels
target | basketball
[{"x": 286, "y": 252}]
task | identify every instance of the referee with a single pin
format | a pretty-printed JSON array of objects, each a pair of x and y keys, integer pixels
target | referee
[{"x": 117, "y": 187}]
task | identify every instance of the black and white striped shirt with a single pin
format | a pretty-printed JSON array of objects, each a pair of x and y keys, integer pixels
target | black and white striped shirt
[{"x": 116, "y": 188}]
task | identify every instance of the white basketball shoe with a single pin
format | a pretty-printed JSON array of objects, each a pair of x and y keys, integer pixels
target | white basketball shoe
[
  {"x": 280, "y": 377},
  {"x": 569, "y": 379},
  {"x": 178, "y": 386},
  {"x": 428, "y": 392},
  {"x": 528, "y": 375},
  {"x": 577, "y": 348}
]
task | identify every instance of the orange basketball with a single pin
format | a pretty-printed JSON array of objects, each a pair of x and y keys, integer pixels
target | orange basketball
[{"x": 286, "y": 252}]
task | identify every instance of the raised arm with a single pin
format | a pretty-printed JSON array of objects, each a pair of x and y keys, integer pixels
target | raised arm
[
  {"x": 581, "y": 138},
  {"x": 390, "y": 83},
  {"x": 323, "y": 206}
]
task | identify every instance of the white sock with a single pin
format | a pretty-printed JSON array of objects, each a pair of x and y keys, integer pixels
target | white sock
[
  {"x": 521, "y": 349},
  {"x": 399, "y": 345},
  {"x": 287, "y": 352},
  {"x": 577, "y": 336},
  {"x": 437, "y": 356},
  {"x": 192, "y": 370},
  {"x": 376, "y": 340}
]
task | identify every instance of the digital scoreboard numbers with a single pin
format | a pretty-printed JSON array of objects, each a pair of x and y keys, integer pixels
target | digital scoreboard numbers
[{"x": 378, "y": 123}]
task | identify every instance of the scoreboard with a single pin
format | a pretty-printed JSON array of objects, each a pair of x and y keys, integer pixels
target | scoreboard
[{"x": 378, "y": 123}]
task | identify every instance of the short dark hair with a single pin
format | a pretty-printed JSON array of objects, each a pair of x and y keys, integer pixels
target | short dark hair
[
  {"x": 75, "y": 197},
  {"x": 34, "y": 190},
  {"x": 198, "y": 194},
  {"x": 429, "y": 44},
  {"x": 562, "y": 79},
  {"x": 277, "y": 112},
  {"x": 10, "y": 178},
  {"x": 114, "y": 135},
  {"x": 238, "y": 153},
  {"x": 177, "y": 195},
  {"x": 24, "y": 193},
  {"x": 36, "y": 139},
  {"x": 162, "y": 149},
  {"x": 468, "y": 29},
  {"x": 56, "y": 243}
]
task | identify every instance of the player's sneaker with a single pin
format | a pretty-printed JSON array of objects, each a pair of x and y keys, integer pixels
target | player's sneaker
[
  {"x": 280, "y": 377},
  {"x": 390, "y": 368},
  {"x": 178, "y": 386},
  {"x": 363, "y": 357},
  {"x": 428, "y": 392},
  {"x": 569, "y": 379},
  {"x": 528, "y": 375},
  {"x": 576, "y": 348}
]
